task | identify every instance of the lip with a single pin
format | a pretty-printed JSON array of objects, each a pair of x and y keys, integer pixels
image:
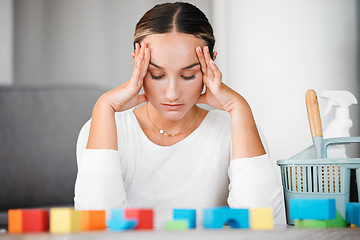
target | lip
[{"x": 173, "y": 107}]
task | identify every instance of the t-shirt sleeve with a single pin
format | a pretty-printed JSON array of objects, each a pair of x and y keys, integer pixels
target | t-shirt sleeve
[
  {"x": 254, "y": 184},
  {"x": 99, "y": 183}
]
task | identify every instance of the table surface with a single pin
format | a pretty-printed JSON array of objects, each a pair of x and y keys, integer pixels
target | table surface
[{"x": 279, "y": 232}]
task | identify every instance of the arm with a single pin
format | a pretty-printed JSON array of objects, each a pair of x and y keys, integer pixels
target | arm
[
  {"x": 253, "y": 180},
  {"x": 245, "y": 137},
  {"x": 103, "y": 128},
  {"x": 99, "y": 183}
]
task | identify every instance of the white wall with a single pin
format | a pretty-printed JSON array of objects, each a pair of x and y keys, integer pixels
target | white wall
[
  {"x": 276, "y": 50},
  {"x": 273, "y": 51},
  {"x": 6, "y": 42},
  {"x": 82, "y": 41}
]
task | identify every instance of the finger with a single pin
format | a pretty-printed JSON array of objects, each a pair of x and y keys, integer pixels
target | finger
[
  {"x": 210, "y": 72},
  {"x": 137, "y": 49},
  {"x": 137, "y": 65},
  {"x": 217, "y": 72},
  {"x": 145, "y": 65},
  {"x": 201, "y": 58}
]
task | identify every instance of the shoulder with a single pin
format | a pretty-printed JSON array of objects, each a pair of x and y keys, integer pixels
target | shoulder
[
  {"x": 125, "y": 116},
  {"x": 218, "y": 116}
]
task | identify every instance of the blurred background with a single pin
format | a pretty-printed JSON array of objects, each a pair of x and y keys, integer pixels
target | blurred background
[{"x": 270, "y": 51}]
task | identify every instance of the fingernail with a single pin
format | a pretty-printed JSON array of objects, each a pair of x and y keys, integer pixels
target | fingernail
[{"x": 200, "y": 49}]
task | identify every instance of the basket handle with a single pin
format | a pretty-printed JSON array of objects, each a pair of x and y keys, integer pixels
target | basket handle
[{"x": 338, "y": 141}]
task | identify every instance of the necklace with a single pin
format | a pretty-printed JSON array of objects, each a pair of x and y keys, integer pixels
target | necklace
[{"x": 161, "y": 131}]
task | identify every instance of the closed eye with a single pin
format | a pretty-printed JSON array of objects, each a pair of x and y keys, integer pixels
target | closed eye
[
  {"x": 156, "y": 77},
  {"x": 189, "y": 78}
]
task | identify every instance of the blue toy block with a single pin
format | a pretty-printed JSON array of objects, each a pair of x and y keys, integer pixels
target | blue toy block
[
  {"x": 218, "y": 217},
  {"x": 316, "y": 209},
  {"x": 185, "y": 214},
  {"x": 118, "y": 221},
  {"x": 353, "y": 213}
]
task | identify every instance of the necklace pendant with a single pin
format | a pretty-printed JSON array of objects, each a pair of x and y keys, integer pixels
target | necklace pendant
[{"x": 161, "y": 131}]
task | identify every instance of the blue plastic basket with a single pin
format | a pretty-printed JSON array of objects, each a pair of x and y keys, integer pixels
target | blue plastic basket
[{"x": 320, "y": 178}]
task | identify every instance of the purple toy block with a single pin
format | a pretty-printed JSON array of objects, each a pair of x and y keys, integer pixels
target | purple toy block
[
  {"x": 316, "y": 209},
  {"x": 218, "y": 217}
]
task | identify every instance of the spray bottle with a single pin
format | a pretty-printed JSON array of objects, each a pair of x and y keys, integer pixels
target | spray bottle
[{"x": 341, "y": 124}]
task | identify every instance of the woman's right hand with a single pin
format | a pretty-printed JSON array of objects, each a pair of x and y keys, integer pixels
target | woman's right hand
[
  {"x": 127, "y": 95},
  {"x": 103, "y": 133}
]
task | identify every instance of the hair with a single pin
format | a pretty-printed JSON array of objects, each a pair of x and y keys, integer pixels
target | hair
[{"x": 178, "y": 17}]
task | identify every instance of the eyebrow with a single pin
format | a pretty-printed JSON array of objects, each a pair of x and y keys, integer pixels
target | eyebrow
[{"x": 188, "y": 67}]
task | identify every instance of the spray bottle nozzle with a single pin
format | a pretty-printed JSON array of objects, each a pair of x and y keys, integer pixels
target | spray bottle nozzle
[{"x": 340, "y": 99}]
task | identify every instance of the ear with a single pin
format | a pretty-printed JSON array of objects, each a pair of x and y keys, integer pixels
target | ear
[
  {"x": 133, "y": 54},
  {"x": 214, "y": 55}
]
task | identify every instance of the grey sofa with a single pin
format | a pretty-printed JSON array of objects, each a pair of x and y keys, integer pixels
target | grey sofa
[{"x": 39, "y": 126}]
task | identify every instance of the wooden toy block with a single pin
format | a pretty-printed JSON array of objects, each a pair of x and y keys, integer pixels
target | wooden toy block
[
  {"x": 64, "y": 220},
  {"x": 185, "y": 214},
  {"x": 353, "y": 213},
  {"x": 315, "y": 209},
  {"x": 310, "y": 223},
  {"x": 145, "y": 218},
  {"x": 216, "y": 218},
  {"x": 353, "y": 226},
  {"x": 15, "y": 221},
  {"x": 93, "y": 220},
  {"x": 118, "y": 221},
  {"x": 177, "y": 225},
  {"x": 261, "y": 218},
  {"x": 35, "y": 220}
]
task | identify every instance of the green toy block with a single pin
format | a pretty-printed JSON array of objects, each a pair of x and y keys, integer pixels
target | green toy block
[
  {"x": 299, "y": 223},
  {"x": 339, "y": 222},
  {"x": 176, "y": 225},
  {"x": 310, "y": 223}
]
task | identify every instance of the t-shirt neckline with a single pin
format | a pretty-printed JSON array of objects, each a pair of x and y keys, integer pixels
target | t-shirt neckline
[{"x": 181, "y": 142}]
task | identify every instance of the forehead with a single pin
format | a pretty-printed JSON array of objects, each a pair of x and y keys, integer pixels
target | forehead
[{"x": 173, "y": 49}]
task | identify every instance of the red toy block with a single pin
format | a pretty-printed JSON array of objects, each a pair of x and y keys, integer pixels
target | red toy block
[
  {"x": 145, "y": 217},
  {"x": 93, "y": 220},
  {"x": 15, "y": 221},
  {"x": 35, "y": 220}
]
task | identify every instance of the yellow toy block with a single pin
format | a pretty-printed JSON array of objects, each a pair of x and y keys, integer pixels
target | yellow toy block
[
  {"x": 64, "y": 220},
  {"x": 93, "y": 220},
  {"x": 261, "y": 218}
]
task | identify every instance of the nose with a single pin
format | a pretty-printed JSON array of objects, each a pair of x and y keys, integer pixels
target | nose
[{"x": 172, "y": 90}]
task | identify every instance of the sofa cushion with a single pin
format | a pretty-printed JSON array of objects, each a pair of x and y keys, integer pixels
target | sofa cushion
[{"x": 39, "y": 127}]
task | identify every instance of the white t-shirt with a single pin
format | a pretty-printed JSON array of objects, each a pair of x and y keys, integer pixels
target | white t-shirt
[{"x": 196, "y": 172}]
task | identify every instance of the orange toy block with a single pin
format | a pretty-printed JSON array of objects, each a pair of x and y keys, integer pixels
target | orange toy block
[
  {"x": 145, "y": 217},
  {"x": 28, "y": 220},
  {"x": 93, "y": 220},
  {"x": 35, "y": 220},
  {"x": 15, "y": 221}
]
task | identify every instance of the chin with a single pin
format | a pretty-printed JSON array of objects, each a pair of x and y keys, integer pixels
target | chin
[{"x": 173, "y": 115}]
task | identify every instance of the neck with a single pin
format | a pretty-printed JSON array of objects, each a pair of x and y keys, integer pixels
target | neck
[{"x": 171, "y": 126}]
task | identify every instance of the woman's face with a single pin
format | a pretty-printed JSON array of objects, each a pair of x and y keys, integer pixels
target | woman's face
[{"x": 173, "y": 83}]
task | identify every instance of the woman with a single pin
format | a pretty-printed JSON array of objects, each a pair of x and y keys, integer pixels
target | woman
[{"x": 168, "y": 152}]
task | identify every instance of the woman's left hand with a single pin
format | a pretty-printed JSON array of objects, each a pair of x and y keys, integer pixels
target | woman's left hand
[{"x": 217, "y": 94}]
